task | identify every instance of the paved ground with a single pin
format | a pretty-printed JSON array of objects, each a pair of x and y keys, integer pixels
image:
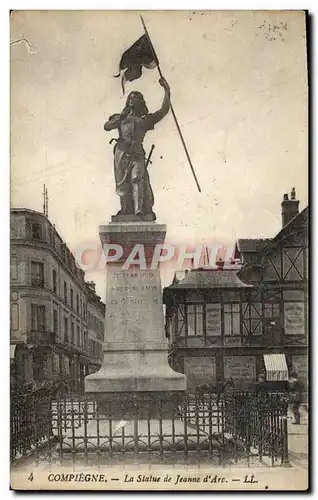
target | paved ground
[{"x": 298, "y": 439}]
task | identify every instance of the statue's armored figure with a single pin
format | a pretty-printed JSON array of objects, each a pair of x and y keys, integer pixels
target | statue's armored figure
[{"x": 131, "y": 176}]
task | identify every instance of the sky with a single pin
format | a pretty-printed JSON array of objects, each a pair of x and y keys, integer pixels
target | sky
[{"x": 239, "y": 89}]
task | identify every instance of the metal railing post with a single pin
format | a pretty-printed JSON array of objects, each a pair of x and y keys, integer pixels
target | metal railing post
[{"x": 285, "y": 461}]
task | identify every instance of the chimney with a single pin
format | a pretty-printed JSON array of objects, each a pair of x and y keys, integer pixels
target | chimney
[{"x": 290, "y": 208}]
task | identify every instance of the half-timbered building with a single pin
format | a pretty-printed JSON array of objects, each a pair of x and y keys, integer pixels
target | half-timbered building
[{"x": 237, "y": 323}]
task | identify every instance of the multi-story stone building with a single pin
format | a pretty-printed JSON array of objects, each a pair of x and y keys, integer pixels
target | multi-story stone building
[
  {"x": 95, "y": 327},
  {"x": 237, "y": 323},
  {"x": 52, "y": 336}
]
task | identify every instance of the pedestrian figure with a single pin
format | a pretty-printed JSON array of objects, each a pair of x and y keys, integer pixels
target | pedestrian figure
[
  {"x": 261, "y": 382},
  {"x": 295, "y": 394}
]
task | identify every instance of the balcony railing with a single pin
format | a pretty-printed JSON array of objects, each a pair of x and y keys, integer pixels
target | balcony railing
[
  {"x": 41, "y": 338},
  {"x": 66, "y": 342}
]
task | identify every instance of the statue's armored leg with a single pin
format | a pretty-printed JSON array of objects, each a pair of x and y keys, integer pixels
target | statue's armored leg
[
  {"x": 137, "y": 183},
  {"x": 137, "y": 190}
]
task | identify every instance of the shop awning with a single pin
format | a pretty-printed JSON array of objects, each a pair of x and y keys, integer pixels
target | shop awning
[{"x": 276, "y": 367}]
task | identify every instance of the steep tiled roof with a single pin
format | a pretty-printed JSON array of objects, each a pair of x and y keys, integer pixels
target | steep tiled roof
[
  {"x": 252, "y": 245},
  {"x": 207, "y": 278}
]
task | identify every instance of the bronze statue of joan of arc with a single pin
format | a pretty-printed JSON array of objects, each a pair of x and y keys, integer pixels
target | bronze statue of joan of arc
[{"x": 131, "y": 176}]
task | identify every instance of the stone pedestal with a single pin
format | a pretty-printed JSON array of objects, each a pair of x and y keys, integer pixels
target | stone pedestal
[{"x": 135, "y": 367}]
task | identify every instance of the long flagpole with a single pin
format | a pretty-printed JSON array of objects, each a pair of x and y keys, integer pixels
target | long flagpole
[{"x": 172, "y": 110}]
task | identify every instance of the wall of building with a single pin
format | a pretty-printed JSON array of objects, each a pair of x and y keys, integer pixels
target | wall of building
[
  {"x": 50, "y": 350},
  {"x": 95, "y": 327}
]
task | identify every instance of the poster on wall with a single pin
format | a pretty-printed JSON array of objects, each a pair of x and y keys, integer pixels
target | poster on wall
[
  {"x": 240, "y": 367},
  {"x": 294, "y": 318},
  {"x": 213, "y": 319},
  {"x": 200, "y": 370}
]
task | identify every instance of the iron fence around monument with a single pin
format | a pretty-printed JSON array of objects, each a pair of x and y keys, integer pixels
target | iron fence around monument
[{"x": 234, "y": 428}]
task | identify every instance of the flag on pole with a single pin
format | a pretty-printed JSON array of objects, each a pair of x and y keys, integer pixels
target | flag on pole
[{"x": 133, "y": 59}]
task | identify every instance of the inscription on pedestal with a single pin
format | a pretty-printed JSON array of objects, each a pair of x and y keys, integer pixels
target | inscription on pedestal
[{"x": 134, "y": 301}]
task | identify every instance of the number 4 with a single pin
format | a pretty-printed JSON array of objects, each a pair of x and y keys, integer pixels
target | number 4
[{"x": 30, "y": 478}]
